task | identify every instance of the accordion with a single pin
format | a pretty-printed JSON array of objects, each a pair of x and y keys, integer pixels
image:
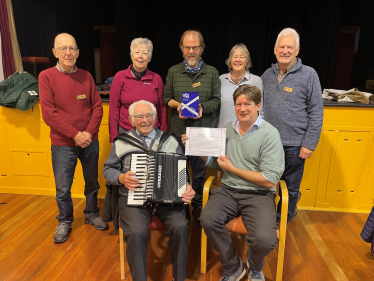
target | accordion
[{"x": 162, "y": 177}]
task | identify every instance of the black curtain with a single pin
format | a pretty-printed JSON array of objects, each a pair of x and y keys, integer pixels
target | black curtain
[
  {"x": 39, "y": 21},
  {"x": 226, "y": 23},
  {"x": 361, "y": 14}
]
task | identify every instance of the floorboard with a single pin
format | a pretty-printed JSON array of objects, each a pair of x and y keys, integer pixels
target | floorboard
[{"x": 319, "y": 246}]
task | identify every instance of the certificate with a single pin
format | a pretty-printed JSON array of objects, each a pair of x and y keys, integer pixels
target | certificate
[{"x": 206, "y": 141}]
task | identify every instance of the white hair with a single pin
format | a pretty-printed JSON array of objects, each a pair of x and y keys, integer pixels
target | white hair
[
  {"x": 289, "y": 31},
  {"x": 142, "y": 41},
  {"x": 132, "y": 106}
]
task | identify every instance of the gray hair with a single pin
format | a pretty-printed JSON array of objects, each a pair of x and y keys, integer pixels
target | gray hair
[
  {"x": 132, "y": 106},
  {"x": 142, "y": 41},
  {"x": 289, "y": 31},
  {"x": 193, "y": 32},
  {"x": 243, "y": 49}
]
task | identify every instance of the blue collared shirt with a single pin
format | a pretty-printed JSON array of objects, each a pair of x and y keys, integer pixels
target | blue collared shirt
[
  {"x": 255, "y": 126},
  {"x": 149, "y": 138}
]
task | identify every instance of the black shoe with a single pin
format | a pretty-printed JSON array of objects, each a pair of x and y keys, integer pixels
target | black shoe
[
  {"x": 62, "y": 232},
  {"x": 97, "y": 222},
  {"x": 197, "y": 212}
]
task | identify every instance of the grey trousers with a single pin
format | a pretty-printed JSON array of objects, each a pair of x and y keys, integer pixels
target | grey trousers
[
  {"x": 259, "y": 218},
  {"x": 134, "y": 222}
]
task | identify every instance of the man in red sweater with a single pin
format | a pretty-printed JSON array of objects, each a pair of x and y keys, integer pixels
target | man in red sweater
[{"x": 71, "y": 107}]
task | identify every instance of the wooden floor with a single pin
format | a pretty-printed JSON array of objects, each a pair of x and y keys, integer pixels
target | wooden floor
[{"x": 319, "y": 246}]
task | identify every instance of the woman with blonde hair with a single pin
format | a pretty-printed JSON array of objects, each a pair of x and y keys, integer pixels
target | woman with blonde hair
[{"x": 239, "y": 62}]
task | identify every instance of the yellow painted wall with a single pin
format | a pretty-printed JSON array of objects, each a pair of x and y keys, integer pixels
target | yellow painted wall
[
  {"x": 25, "y": 154},
  {"x": 338, "y": 177}
]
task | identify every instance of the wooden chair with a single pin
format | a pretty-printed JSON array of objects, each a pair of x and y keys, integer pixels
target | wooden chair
[
  {"x": 154, "y": 224},
  {"x": 237, "y": 226}
]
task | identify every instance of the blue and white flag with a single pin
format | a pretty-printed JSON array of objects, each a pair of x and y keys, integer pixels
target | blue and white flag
[{"x": 190, "y": 104}]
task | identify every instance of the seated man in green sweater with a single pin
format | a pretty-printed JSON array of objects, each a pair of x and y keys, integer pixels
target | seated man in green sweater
[{"x": 253, "y": 164}]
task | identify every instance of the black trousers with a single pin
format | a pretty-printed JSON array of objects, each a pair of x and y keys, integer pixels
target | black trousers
[{"x": 198, "y": 180}]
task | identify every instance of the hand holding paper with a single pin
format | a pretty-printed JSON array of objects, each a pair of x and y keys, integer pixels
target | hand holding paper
[
  {"x": 224, "y": 163},
  {"x": 184, "y": 138}
]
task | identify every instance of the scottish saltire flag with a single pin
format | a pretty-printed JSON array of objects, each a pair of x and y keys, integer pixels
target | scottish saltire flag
[{"x": 190, "y": 104}]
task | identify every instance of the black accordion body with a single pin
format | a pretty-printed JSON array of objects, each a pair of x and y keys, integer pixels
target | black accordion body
[
  {"x": 162, "y": 178},
  {"x": 162, "y": 175}
]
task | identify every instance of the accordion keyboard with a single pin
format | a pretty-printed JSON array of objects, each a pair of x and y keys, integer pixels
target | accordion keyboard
[{"x": 143, "y": 165}]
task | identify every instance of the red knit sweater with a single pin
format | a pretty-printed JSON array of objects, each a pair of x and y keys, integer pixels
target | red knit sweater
[{"x": 65, "y": 109}]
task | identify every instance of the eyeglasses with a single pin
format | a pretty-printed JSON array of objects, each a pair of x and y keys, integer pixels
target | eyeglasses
[
  {"x": 141, "y": 116},
  {"x": 239, "y": 105},
  {"x": 187, "y": 48},
  {"x": 64, "y": 49}
]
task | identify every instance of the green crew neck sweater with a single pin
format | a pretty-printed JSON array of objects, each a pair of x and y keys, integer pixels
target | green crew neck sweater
[{"x": 258, "y": 151}]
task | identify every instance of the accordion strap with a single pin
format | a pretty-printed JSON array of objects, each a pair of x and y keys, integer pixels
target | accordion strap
[
  {"x": 137, "y": 143},
  {"x": 131, "y": 140},
  {"x": 163, "y": 138}
]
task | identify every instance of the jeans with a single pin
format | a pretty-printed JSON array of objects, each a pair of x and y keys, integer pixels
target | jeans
[
  {"x": 64, "y": 161},
  {"x": 293, "y": 174}
]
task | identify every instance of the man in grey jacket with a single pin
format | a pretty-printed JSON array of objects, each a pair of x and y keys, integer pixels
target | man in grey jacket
[
  {"x": 135, "y": 219},
  {"x": 292, "y": 103}
]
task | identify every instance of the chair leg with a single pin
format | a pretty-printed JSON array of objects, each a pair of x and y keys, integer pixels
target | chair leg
[
  {"x": 203, "y": 251},
  {"x": 282, "y": 231},
  {"x": 121, "y": 254},
  {"x": 207, "y": 188},
  {"x": 281, "y": 247}
]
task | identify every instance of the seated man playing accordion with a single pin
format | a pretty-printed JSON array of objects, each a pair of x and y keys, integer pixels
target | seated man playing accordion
[{"x": 134, "y": 220}]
